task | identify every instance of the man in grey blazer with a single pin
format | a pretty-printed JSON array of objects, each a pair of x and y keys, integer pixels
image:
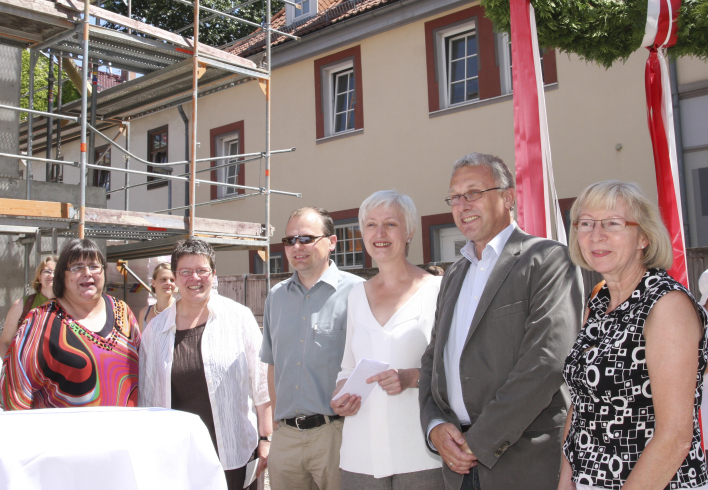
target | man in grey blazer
[{"x": 492, "y": 397}]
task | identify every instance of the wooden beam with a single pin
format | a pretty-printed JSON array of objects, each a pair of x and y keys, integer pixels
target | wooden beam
[
  {"x": 40, "y": 11},
  {"x": 170, "y": 222},
  {"x": 36, "y": 209}
]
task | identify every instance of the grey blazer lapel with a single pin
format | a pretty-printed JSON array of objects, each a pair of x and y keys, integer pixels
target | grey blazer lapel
[
  {"x": 507, "y": 259},
  {"x": 452, "y": 292}
]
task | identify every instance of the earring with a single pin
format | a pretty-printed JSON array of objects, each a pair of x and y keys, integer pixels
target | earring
[{"x": 408, "y": 241}]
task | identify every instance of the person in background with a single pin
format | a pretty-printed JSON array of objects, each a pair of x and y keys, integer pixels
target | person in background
[
  {"x": 200, "y": 356},
  {"x": 163, "y": 285},
  {"x": 304, "y": 329},
  {"x": 389, "y": 319},
  {"x": 42, "y": 285},
  {"x": 636, "y": 370},
  {"x": 492, "y": 395},
  {"x": 434, "y": 270},
  {"x": 79, "y": 349}
]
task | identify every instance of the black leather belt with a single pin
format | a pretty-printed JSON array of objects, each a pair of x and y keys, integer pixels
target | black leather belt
[{"x": 311, "y": 421}]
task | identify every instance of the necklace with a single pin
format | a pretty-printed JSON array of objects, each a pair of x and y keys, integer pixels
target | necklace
[{"x": 157, "y": 312}]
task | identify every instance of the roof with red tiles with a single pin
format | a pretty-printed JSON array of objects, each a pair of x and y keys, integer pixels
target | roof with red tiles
[
  {"x": 329, "y": 12},
  {"x": 108, "y": 80}
]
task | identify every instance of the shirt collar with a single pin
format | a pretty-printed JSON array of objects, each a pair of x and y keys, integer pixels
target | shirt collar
[
  {"x": 497, "y": 244},
  {"x": 171, "y": 321},
  {"x": 330, "y": 276}
]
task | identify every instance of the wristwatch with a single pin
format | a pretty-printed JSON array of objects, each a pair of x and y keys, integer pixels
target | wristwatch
[{"x": 265, "y": 438}]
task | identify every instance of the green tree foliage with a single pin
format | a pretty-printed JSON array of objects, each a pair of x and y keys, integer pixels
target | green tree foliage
[
  {"x": 171, "y": 15},
  {"x": 41, "y": 73},
  {"x": 606, "y": 31}
]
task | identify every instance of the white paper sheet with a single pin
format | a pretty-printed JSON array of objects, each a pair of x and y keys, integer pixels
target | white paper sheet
[
  {"x": 356, "y": 383},
  {"x": 251, "y": 468}
]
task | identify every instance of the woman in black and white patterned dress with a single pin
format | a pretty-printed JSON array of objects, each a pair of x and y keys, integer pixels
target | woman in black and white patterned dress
[{"x": 636, "y": 370}]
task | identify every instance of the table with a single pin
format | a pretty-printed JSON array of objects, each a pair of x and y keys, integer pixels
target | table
[{"x": 107, "y": 448}]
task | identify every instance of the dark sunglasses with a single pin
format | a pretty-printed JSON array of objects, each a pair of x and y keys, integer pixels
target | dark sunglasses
[{"x": 289, "y": 241}]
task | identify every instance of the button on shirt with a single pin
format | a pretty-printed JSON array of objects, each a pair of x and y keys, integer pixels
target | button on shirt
[
  {"x": 472, "y": 288},
  {"x": 303, "y": 337}
]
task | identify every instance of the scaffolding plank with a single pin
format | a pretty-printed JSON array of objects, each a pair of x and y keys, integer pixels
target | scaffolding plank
[
  {"x": 165, "y": 246},
  {"x": 36, "y": 209},
  {"x": 179, "y": 41},
  {"x": 171, "y": 222},
  {"x": 23, "y": 221}
]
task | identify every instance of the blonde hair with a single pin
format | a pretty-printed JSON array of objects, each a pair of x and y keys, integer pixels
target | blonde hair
[
  {"x": 162, "y": 266},
  {"x": 605, "y": 195},
  {"x": 37, "y": 283}
]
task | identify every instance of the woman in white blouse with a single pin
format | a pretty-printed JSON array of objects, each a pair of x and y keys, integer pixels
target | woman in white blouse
[
  {"x": 200, "y": 355},
  {"x": 389, "y": 319}
]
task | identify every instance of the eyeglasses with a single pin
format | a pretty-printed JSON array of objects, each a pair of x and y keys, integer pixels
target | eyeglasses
[
  {"x": 289, "y": 241},
  {"x": 612, "y": 225},
  {"x": 469, "y": 196},
  {"x": 47, "y": 272},
  {"x": 78, "y": 269},
  {"x": 191, "y": 272}
]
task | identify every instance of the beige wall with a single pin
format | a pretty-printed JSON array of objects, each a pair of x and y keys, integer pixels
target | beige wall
[
  {"x": 691, "y": 70},
  {"x": 590, "y": 111}
]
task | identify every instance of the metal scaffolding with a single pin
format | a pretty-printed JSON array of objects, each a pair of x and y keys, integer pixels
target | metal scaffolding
[{"x": 174, "y": 70}]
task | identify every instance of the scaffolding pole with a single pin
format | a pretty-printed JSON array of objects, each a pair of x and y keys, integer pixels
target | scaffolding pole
[
  {"x": 30, "y": 122},
  {"x": 50, "y": 120},
  {"x": 126, "y": 185},
  {"x": 84, "y": 103},
  {"x": 57, "y": 153},
  {"x": 267, "y": 142},
  {"x": 195, "y": 96}
]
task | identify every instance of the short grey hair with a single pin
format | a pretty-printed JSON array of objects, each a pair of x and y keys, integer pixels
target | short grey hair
[
  {"x": 503, "y": 177},
  {"x": 387, "y": 199},
  {"x": 604, "y": 196}
]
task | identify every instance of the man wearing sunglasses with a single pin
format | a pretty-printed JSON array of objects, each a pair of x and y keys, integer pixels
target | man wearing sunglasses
[{"x": 304, "y": 330}]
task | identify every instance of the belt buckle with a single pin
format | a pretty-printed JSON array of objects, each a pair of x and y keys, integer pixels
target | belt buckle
[{"x": 297, "y": 422}]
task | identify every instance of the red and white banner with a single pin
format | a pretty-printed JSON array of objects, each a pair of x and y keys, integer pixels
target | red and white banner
[
  {"x": 660, "y": 33},
  {"x": 538, "y": 212}
]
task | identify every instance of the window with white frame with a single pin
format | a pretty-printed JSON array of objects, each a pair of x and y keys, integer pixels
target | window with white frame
[
  {"x": 307, "y": 9},
  {"x": 458, "y": 69},
  {"x": 343, "y": 100},
  {"x": 506, "y": 66},
  {"x": 349, "y": 251},
  {"x": 340, "y": 90},
  {"x": 467, "y": 61},
  {"x": 227, "y": 145}
]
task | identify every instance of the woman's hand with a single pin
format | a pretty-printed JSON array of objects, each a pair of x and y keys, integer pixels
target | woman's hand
[
  {"x": 263, "y": 452},
  {"x": 394, "y": 381},
  {"x": 346, "y": 406}
]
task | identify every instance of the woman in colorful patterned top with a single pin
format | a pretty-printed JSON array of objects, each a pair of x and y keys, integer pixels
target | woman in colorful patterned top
[
  {"x": 636, "y": 370},
  {"x": 42, "y": 285},
  {"x": 79, "y": 349}
]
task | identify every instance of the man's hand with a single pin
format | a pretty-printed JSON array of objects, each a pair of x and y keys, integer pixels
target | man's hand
[
  {"x": 453, "y": 448},
  {"x": 395, "y": 381}
]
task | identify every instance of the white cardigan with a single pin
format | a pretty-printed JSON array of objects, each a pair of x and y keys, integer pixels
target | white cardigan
[
  {"x": 236, "y": 379},
  {"x": 385, "y": 438}
]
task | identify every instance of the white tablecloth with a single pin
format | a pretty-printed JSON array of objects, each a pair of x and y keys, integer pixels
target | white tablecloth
[{"x": 107, "y": 448}]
